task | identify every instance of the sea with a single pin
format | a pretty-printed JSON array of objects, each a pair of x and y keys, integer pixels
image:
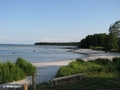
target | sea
[{"x": 39, "y": 54}]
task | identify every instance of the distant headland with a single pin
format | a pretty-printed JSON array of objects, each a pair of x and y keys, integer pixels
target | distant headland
[{"x": 58, "y": 43}]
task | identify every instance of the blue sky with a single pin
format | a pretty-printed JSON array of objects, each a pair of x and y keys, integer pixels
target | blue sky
[{"x": 30, "y": 21}]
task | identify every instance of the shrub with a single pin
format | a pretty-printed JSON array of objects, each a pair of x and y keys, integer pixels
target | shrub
[
  {"x": 90, "y": 67},
  {"x": 102, "y": 61},
  {"x": 10, "y": 72},
  {"x": 92, "y": 47},
  {"x": 116, "y": 61},
  {"x": 73, "y": 68},
  {"x": 96, "y": 48},
  {"x": 27, "y": 67},
  {"x": 95, "y": 68}
]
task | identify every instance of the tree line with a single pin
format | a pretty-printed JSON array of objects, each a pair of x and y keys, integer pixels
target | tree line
[
  {"x": 58, "y": 43},
  {"x": 107, "y": 42}
]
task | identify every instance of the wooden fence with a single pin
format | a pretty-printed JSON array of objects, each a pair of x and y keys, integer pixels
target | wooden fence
[{"x": 55, "y": 80}]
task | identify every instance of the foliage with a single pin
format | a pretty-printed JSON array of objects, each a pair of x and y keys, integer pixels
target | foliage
[
  {"x": 115, "y": 28},
  {"x": 27, "y": 67},
  {"x": 119, "y": 44},
  {"x": 58, "y": 43},
  {"x": 10, "y": 72},
  {"x": 116, "y": 61},
  {"x": 102, "y": 61},
  {"x": 111, "y": 42},
  {"x": 107, "y": 42},
  {"x": 90, "y": 67},
  {"x": 96, "y": 48},
  {"x": 96, "y": 40}
]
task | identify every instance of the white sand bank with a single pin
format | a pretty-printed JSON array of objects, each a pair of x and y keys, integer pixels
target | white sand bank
[{"x": 55, "y": 63}]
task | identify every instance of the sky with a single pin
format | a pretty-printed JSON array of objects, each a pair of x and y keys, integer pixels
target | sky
[{"x": 30, "y": 21}]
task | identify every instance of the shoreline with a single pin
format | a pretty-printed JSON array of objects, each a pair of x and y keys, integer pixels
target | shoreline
[
  {"x": 94, "y": 54},
  {"x": 90, "y": 55}
]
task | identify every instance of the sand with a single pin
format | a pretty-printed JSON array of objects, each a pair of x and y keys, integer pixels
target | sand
[
  {"x": 55, "y": 63},
  {"x": 91, "y": 55}
]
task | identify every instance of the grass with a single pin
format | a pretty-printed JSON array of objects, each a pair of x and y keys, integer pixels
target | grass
[
  {"x": 109, "y": 81},
  {"x": 100, "y": 74}
]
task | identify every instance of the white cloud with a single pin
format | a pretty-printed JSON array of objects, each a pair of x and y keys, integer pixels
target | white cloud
[{"x": 46, "y": 39}]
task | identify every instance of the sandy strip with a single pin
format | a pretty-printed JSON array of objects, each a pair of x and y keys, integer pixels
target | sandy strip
[
  {"x": 55, "y": 63},
  {"x": 93, "y": 54}
]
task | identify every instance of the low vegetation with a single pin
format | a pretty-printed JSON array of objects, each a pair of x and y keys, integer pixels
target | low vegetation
[
  {"x": 10, "y": 72},
  {"x": 27, "y": 67},
  {"x": 99, "y": 74},
  {"x": 97, "y": 66}
]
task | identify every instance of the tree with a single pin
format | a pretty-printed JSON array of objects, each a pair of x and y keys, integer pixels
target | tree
[
  {"x": 111, "y": 42},
  {"x": 119, "y": 44},
  {"x": 96, "y": 40},
  {"x": 115, "y": 28}
]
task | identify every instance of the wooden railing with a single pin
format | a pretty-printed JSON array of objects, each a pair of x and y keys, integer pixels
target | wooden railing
[
  {"x": 20, "y": 86},
  {"x": 55, "y": 80}
]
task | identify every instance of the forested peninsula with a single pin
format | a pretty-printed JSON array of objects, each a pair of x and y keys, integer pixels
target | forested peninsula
[{"x": 58, "y": 43}]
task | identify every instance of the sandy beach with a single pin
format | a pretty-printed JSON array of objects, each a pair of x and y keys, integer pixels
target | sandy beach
[
  {"x": 91, "y": 55},
  {"x": 94, "y": 54}
]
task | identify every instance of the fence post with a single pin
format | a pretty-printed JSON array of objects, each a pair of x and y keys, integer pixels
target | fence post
[
  {"x": 34, "y": 81},
  {"x": 25, "y": 87}
]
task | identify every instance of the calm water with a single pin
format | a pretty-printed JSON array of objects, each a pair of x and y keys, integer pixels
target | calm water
[{"x": 35, "y": 54}]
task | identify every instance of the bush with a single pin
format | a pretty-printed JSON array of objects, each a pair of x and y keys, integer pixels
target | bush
[
  {"x": 102, "y": 61},
  {"x": 9, "y": 72},
  {"x": 27, "y": 67},
  {"x": 90, "y": 67},
  {"x": 96, "y": 48},
  {"x": 116, "y": 61},
  {"x": 93, "y": 68}
]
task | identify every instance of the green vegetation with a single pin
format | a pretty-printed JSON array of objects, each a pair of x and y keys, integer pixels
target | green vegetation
[
  {"x": 103, "y": 41},
  {"x": 27, "y": 67},
  {"x": 99, "y": 74},
  {"x": 97, "y": 66},
  {"x": 10, "y": 72},
  {"x": 96, "y": 40},
  {"x": 58, "y": 43},
  {"x": 109, "y": 81},
  {"x": 115, "y": 28}
]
